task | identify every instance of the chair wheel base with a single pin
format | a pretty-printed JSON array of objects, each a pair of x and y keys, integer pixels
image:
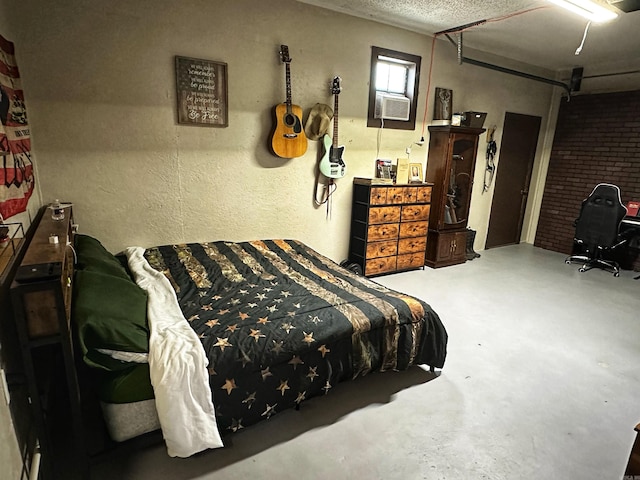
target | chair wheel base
[{"x": 589, "y": 263}]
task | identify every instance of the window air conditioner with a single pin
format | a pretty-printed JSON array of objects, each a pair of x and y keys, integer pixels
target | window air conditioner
[{"x": 392, "y": 107}]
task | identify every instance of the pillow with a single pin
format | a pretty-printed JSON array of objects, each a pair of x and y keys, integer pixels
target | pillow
[
  {"x": 92, "y": 256},
  {"x": 110, "y": 313},
  {"x": 126, "y": 386}
]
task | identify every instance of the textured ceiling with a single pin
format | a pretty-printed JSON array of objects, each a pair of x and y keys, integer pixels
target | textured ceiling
[{"x": 544, "y": 35}]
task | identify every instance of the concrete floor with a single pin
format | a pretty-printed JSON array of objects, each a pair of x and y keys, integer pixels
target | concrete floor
[
  {"x": 10, "y": 460},
  {"x": 542, "y": 381}
]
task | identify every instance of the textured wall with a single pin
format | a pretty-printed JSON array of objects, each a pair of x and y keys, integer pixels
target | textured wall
[
  {"x": 100, "y": 92},
  {"x": 10, "y": 459},
  {"x": 597, "y": 140},
  {"x": 99, "y": 81}
]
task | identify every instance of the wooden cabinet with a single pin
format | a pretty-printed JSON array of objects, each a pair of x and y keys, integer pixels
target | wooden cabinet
[
  {"x": 41, "y": 298},
  {"x": 450, "y": 168},
  {"x": 389, "y": 225},
  {"x": 633, "y": 466},
  {"x": 451, "y": 248}
]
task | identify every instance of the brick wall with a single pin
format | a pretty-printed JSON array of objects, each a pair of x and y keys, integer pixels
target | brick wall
[{"x": 597, "y": 140}]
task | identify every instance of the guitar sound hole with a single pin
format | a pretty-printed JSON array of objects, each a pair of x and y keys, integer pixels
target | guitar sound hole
[{"x": 289, "y": 120}]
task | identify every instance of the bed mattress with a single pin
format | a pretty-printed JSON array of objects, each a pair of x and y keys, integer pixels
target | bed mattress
[
  {"x": 220, "y": 335},
  {"x": 128, "y": 420},
  {"x": 281, "y": 323}
]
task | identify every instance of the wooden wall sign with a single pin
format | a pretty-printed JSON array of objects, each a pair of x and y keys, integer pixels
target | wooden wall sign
[{"x": 202, "y": 92}]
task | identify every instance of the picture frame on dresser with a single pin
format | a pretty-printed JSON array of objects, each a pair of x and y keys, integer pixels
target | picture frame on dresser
[{"x": 415, "y": 173}]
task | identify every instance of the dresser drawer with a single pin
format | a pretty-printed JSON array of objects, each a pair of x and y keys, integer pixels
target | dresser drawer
[
  {"x": 412, "y": 245},
  {"x": 379, "y": 215},
  {"x": 384, "y": 231},
  {"x": 410, "y": 260},
  {"x": 411, "y": 194},
  {"x": 413, "y": 213},
  {"x": 380, "y": 265},
  {"x": 378, "y": 196},
  {"x": 417, "y": 194},
  {"x": 423, "y": 195},
  {"x": 414, "y": 229},
  {"x": 395, "y": 195},
  {"x": 382, "y": 249}
]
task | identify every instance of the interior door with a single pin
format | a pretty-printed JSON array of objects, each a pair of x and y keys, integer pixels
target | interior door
[{"x": 512, "y": 178}]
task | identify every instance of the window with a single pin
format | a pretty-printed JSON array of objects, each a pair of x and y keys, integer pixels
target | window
[
  {"x": 393, "y": 89},
  {"x": 391, "y": 75}
]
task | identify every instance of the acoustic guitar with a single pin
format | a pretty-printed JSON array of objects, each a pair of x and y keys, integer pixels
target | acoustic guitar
[
  {"x": 288, "y": 140},
  {"x": 331, "y": 164}
]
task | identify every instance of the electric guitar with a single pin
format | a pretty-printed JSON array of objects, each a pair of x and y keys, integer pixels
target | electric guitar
[
  {"x": 288, "y": 140},
  {"x": 332, "y": 165}
]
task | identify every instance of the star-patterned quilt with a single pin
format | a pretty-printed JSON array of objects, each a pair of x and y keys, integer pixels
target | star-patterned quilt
[{"x": 281, "y": 323}]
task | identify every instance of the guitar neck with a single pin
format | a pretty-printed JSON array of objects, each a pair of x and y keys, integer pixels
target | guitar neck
[
  {"x": 335, "y": 120},
  {"x": 288, "y": 80}
]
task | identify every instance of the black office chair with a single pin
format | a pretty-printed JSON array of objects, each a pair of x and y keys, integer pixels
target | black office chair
[{"x": 597, "y": 228}]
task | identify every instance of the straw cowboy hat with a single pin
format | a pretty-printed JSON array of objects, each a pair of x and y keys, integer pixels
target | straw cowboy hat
[{"x": 318, "y": 121}]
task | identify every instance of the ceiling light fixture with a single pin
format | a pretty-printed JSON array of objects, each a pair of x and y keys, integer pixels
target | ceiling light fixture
[{"x": 588, "y": 9}]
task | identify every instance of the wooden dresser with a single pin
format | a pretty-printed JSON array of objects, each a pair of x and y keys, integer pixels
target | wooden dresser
[{"x": 389, "y": 225}]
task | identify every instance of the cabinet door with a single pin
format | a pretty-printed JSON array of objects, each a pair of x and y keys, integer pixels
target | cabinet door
[
  {"x": 445, "y": 250},
  {"x": 452, "y": 247},
  {"x": 459, "y": 247},
  {"x": 452, "y": 156},
  {"x": 460, "y": 180}
]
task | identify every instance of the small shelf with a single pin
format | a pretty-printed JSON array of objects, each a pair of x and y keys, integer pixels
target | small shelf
[{"x": 9, "y": 249}]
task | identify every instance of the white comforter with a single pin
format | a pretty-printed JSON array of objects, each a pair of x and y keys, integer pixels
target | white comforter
[{"x": 178, "y": 366}]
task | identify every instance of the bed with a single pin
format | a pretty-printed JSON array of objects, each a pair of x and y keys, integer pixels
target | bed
[{"x": 203, "y": 339}]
